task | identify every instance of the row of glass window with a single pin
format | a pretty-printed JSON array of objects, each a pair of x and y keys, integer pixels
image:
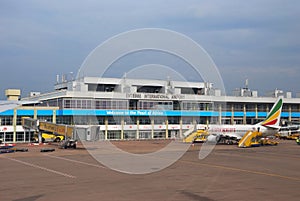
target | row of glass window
[
  {"x": 189, "y": 105},
  {"x": 142, "y": 134},
  {"x": 8, "y": 120},
  {"x": 155, "y": 105},
  {"x": 20, "y": 136},
  {"x": 117, "y": 120},
  {"x": 253, "y": 107},
  {"x": 164, "y": 105},
  {"x": 95, "y": 104}
]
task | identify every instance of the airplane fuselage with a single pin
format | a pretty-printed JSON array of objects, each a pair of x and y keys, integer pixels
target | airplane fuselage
[{"x": 239, "y": 131}]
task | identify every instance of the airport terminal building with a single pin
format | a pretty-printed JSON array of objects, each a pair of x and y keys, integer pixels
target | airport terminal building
[{"x": 123, "y": 108}]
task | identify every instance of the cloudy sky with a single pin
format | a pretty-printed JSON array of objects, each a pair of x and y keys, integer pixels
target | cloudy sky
[{"x": 258, "y": 39}]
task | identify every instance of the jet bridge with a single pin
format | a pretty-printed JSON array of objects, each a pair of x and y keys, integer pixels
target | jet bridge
[
  {"x": 88, "y": 133},
  {"x": 56, "y": 129}
]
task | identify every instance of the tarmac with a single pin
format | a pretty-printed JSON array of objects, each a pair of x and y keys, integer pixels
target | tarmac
[{"x": 227, "y": 173}]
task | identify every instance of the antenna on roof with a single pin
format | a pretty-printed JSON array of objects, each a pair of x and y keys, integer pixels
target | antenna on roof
[{"x": 246, "y": 83}]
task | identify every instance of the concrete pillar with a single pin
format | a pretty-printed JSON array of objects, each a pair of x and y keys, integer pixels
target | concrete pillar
[
  {"x": 167, "y": 129},
  {"x": 220, "y": 114},
  {"x": 106, "y": 128},
  {"x": 245, "y": 116},
  {"x": 180, "y": 131},
  {"x": 152, "y": 128},
  {"x": 137, "y": 127},
  {"x": 54, "y": 116},
  {"x": 40, "y": 137},
  {"x": 256, "y": 111},
  {"x": 34, "y": 113},
  {"x": 290, "y": 113},
  {"x": 232, "y": 114},
  {"x": 122, "y": 128},
  {"x": 15, "y": 125}
]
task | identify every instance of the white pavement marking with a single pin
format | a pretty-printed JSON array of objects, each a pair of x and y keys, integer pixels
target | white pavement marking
[
  {"x": 75, "y": 161},
  {"x": 40, "y": 167}
]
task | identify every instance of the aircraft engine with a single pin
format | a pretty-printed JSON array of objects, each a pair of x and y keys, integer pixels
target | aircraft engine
[{"x": 213, "y": 138}]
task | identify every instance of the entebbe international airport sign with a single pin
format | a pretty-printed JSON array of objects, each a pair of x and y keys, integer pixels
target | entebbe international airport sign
[{"x": 155, "y": 96}]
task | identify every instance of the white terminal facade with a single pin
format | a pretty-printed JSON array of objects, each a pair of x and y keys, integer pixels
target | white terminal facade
[{"x": 124, "y": 108}]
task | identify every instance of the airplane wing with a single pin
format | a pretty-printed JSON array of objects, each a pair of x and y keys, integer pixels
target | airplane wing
[{"x": 273, "y": 127}]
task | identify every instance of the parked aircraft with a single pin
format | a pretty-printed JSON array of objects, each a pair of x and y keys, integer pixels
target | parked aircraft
[{"x": 269, "y": 126}]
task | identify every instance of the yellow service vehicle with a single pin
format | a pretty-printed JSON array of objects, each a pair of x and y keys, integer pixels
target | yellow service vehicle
[
  {"x": 298, "y": 141},
  {"x": 292, "y": 136},
  {"x": 49, "y": 137},
  {"x": 268, "y": 141}
]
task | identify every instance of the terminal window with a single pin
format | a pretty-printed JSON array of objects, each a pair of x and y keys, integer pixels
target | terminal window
[{"x": 149, "y": 89}]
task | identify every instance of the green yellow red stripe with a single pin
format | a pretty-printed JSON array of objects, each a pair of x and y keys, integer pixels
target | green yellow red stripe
[{"x": 273, "y": 116}]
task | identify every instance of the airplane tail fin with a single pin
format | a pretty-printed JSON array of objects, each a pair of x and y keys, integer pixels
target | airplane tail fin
[{"x": 273, "y": 118}]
